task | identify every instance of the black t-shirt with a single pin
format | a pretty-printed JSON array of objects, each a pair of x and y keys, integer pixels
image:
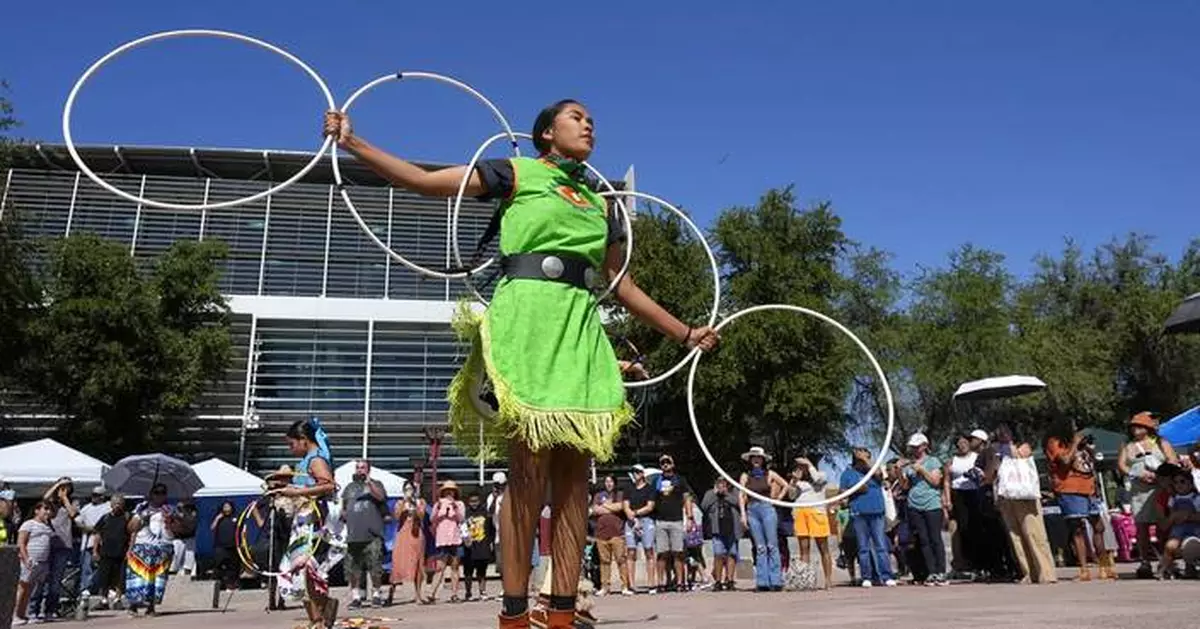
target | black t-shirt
[
  {"x": 114, "y": 535},
  {"x": 223, "y": 536},
  {"x": 639, "y": 497},
  {"x": 668, "y": 504},
  {"x": 481, "y": 535},
  {"x": 498, "y": 177},
  {"x": 725, "y": 515}
]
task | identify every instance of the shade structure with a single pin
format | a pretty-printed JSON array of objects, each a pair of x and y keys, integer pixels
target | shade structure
[
  {"x": 31, "y": 467},
  {"x": 998, "y": 387},
  {"x": 225, "y": 479},
  {"x": 1183, "y": 429},
  {"x": 1186, "y": 318}
]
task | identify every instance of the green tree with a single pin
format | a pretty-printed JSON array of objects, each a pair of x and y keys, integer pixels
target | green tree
[{"x": 118, "y": 355}]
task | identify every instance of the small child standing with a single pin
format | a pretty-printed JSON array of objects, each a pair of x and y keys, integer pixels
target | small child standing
[{"x": 1183, "y": 520}]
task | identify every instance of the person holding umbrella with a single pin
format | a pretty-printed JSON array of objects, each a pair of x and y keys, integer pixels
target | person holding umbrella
[{"x": 149, "y": 559}]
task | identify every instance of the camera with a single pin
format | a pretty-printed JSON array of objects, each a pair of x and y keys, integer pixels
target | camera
[{"x": 1089, "y": 440}]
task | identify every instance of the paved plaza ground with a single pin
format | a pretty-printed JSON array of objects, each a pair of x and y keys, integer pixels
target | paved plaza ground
[{"x": 1062, "y": 606}]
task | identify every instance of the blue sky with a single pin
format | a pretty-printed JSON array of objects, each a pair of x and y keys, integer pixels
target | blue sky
[{"x": 1011, "y": 125}]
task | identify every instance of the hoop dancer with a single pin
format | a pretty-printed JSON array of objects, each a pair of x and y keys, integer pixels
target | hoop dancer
[{"x": 559, "y": 397}]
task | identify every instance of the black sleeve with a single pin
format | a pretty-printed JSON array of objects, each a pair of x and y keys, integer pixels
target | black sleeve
[
  {"x": 498, "y": 178},
  {"x": 616, "y": 225},
  {"x": 684, "y": 486}
]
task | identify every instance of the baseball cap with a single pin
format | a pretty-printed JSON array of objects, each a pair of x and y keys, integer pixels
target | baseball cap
[
  {"x": 639, "y": 468},
  {"x": 979, "y": 434},
  {"x": 918, "y": 439},
  {"x": 98, "y": 490},
  {"x": 499, "y": 478}
]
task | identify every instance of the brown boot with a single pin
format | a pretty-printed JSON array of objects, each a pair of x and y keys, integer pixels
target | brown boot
[{"x": 514, "y": 622}]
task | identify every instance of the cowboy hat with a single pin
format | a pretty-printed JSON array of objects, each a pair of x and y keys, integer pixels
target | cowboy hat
[
  {"x": 1145, "y": 420},
  {"x": 755, "y": 451},
  {"x": 448, "y": 486}
]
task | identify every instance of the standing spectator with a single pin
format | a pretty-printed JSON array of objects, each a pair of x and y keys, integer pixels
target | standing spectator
[
  {"x": 223, "y": 529},
  {"x": 86, "y": 521},
  {"x": 693, "y": 541},
  {"x": 1138, "y": 460},
  {"x": 812, "y": 523},
  {"x": 672, "y": 508},
  {"x": 995, "y": 554},
  {"x": 761, "y": 518},
  {"x": 1022, "y": 516},
  {"x": 45, "y": 599},
  {"x": 721, "y": 508},
  {"x": 478, "y": 545},
  {"x": 1071, "y": 456},
  {"x": 494, "y": 500},
  {"x": 847, "y": 540},
  {"x": 867, "y": 515},
  {"x": 408, "y": 547},
  {"x": 639, "y": 528},
  {"x": 149, "y": 559},
  {"x": 447, "y": 519},
  {"x": 923, "y": 478},
  {"x": 8, "y": 521},
  {"x": 110, "y": 544},
  {"x": 608, "y": 517},
  {"x": 961, "y": 491},
  {"x": 184, "y": 522},
  {"x": 34, "y": 540},
  {"x": 364, "y": 507}
]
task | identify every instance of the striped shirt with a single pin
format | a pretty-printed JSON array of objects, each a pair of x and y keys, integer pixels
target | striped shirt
[{"x": 39, "y": 540}]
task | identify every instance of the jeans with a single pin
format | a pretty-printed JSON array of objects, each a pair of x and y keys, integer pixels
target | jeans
[
  {"x": 927, "y": 526},
  {"x": 45, "y": 598},
  {"x": 87, "y": 571},
  {"x": 874, "y": 555},
  {"x": 764, "y": 530}
]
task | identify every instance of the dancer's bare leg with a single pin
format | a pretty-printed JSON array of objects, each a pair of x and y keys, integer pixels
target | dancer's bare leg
[{"x": 519, "y": 513}]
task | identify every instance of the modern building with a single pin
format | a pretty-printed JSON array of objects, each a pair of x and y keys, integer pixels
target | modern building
[{"x": 326, "y": 324}]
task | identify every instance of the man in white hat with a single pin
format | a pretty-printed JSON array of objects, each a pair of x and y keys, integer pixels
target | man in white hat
[{"x": 639, "y": 527}]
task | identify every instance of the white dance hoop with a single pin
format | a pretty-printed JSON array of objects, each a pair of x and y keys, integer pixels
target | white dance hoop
[
  {"x": 337, "y": 170},
  {"x": 456, "y": 212},
  {"x": 716, "y": 277},
  {"x": 70, "y": 142},
  {"x": 891, "y": 410}
]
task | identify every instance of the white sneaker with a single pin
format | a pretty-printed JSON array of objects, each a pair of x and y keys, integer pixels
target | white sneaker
[
  {"x": 627, "y": 592},
  {"x": 603, "y": 592},
  {"x": 867, "y": 584},
  {"x": 890, "y": 583},
  {"x": 652, "y": 591}
]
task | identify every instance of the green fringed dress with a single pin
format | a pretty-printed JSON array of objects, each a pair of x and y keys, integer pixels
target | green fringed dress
[{"x": 541, "y": 343}]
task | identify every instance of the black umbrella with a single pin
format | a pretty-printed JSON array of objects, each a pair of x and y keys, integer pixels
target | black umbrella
[
  {"x": 136, "y": 475},
  {"x": 1186, "y": 317}
]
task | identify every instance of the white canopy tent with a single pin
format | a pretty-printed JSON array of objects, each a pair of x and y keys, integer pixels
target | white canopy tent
[
  {"x": 31, "y": 467},
  {"x": 392, "y": 483},
  {"x": 224, "y": 479}
]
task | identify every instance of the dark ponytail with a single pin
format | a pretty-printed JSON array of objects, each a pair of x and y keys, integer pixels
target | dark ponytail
[{"x": 545, "y": 120}]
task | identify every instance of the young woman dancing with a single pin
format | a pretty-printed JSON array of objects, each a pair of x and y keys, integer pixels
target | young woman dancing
[{"x": 558, "y": 386}]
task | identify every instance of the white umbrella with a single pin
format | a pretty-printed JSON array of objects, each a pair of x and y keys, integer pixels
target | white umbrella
[
  {"x": 998, "y": 388},
  {"x": 136, "y": 475}
]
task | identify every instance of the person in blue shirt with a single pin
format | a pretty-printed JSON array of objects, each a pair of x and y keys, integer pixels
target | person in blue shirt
[
  {"x": 867, "y": 514},
  {"x": 923, "y": 478}
]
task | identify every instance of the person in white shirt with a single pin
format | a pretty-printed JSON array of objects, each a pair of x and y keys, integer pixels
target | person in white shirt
[
  {"x": 494, "y": 500},
  {"x": 88, "y": 516}
]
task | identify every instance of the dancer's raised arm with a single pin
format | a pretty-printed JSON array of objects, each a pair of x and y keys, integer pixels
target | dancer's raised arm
[{"x": 443, "y": 182}]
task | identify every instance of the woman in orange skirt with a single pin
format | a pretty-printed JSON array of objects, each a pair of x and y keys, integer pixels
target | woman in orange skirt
[{"x": 408, "y": 547}]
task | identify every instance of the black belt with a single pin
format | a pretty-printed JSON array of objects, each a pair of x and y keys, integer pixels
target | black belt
[{"x": 554, "y": 267}]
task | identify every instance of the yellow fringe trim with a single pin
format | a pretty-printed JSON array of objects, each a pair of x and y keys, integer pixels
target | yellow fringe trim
[{"x": 593, "y": 432}]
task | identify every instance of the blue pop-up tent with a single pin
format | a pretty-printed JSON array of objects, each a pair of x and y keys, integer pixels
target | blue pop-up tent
[{"x": 1183, "y": 429}]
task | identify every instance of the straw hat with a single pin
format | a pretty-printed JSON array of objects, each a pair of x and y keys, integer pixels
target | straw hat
[
  {"x": 756, "y": 451},
  {"x": 1145, "y": 420},
  {"x": 448, "y": 486}
]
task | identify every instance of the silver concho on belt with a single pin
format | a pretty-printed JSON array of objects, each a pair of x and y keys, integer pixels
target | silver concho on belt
[
  {"x": 592, "y": 279},
  {"x": 552, "y": 267}
]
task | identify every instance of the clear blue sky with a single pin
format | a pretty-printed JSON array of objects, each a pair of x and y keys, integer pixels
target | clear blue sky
[{"x": 927, "y": 124}]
